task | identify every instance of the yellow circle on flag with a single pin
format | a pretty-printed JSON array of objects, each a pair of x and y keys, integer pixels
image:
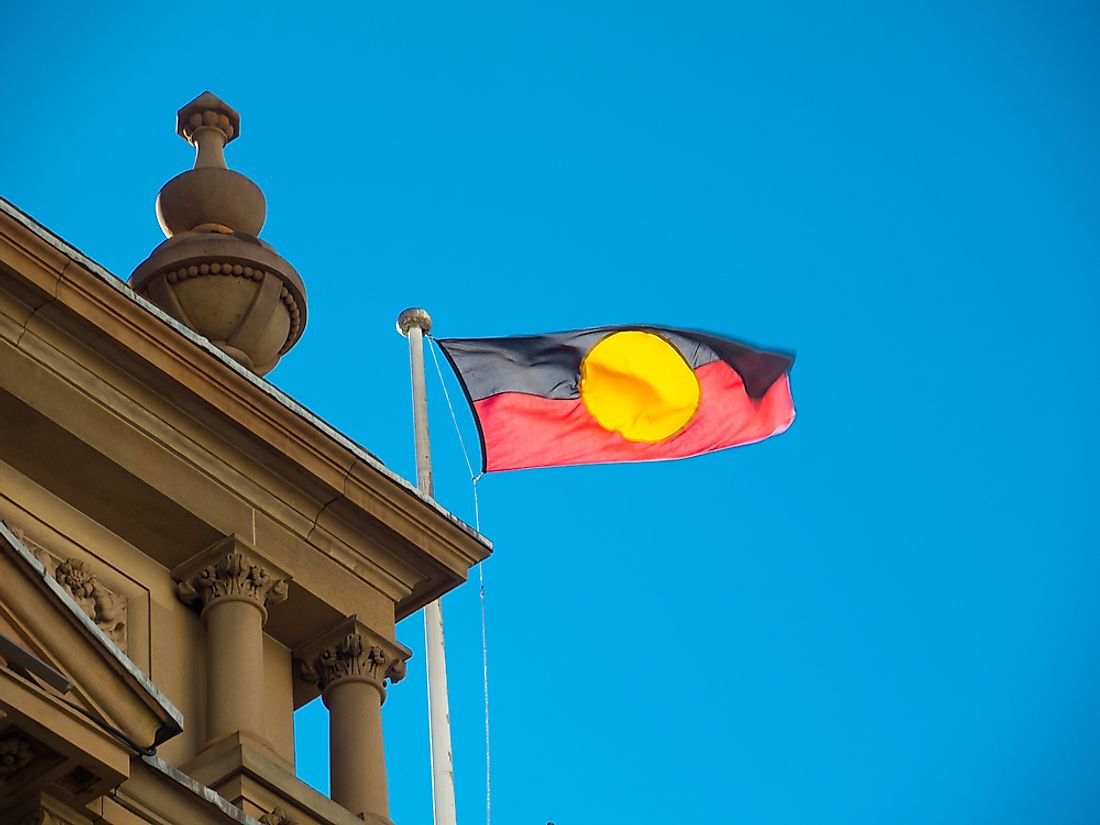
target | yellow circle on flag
[{"x": 637, "y": 384}]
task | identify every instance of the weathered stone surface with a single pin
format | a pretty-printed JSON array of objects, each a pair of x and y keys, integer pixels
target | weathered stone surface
[{"x": 212, "y": 273}]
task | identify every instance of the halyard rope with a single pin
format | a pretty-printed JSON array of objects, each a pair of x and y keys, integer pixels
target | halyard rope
[{"x": 474, "y": 479}]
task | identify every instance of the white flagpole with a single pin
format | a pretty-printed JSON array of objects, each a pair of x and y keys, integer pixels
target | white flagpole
[{"x": 415, "y": 323}]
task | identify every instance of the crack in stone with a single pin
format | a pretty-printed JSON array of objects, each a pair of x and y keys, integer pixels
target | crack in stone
[
  {"x": 333, "y": 500},
  {"x": 47, "y": 302}
]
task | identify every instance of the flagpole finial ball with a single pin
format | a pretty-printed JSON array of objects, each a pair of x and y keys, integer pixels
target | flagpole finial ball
[{"x": 414, "y": 317}]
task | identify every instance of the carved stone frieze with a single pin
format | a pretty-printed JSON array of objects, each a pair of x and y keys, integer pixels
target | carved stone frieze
[
  {"x": 102, "y": 605},
  {"x": 279, "y": 816},
  {"x": 358, "y": 653},
  {"x": 106, "y": 609},
  {"x": 15, "y": 754},
  {"x": 234, "y": 574}
]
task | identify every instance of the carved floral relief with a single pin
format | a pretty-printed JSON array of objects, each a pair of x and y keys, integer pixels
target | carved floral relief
[
  {"x": 351, "y": 656},
  {"x": 233, "y": 575},
  {"x": 106, "y": 609},
  {"x": 15, "y": 754},
  {"x": 102, "y": 605}
]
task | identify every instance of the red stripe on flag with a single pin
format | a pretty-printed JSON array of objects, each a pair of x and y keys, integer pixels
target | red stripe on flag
[{"x": 521, "y": 431}]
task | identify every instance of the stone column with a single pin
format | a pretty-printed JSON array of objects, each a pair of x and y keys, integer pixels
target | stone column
[
  {"x": 350, "y": 666},
  {"x": 234, "y": 586}
]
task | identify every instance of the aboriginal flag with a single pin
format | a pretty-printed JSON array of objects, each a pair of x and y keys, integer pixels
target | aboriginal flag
[{"x": 611, "y": 394}]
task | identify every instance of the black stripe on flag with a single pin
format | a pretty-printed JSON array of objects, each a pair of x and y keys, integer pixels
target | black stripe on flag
[{"x": 549, "y": 365}]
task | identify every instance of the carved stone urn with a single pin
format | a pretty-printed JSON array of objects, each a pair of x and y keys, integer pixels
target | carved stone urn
[{"x": 212, "y": 273}]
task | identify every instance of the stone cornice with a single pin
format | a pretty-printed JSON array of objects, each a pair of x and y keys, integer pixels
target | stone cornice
[
  {"x": 230, "y": 569},
  {"x": 351, "y": 650},
  {"x": 405, "y": 524}
]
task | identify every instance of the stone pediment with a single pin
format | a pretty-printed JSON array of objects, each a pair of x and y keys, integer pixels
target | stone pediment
[{"x": 75, "y": 743}]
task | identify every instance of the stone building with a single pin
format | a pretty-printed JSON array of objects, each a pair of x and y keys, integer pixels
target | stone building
[{"x": 186, "y": 554}]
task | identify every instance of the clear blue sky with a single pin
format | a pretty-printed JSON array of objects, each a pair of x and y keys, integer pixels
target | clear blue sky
[{"x": 888, "y": 614}]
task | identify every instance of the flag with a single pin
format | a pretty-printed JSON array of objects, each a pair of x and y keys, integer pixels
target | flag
[{"x": 612, "y": 394}]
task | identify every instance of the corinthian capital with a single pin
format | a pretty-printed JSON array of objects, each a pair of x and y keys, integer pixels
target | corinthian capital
[
  {"x": 231, "y": 569},
  {"x": 352, "y": 651}
]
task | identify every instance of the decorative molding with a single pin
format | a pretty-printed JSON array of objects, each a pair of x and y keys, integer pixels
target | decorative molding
[
  {"x": 103, "y": 606},
  {"x": 48, "y": 559},
  {"x": 358, "y": 653},
  {"x": 230, "y": 569},
  {"x": 15, "y": 754},
  {"x": 237, "y": 270},
  {"x": 279, "y": 816},
  {"x": 215, "y": 118}
]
